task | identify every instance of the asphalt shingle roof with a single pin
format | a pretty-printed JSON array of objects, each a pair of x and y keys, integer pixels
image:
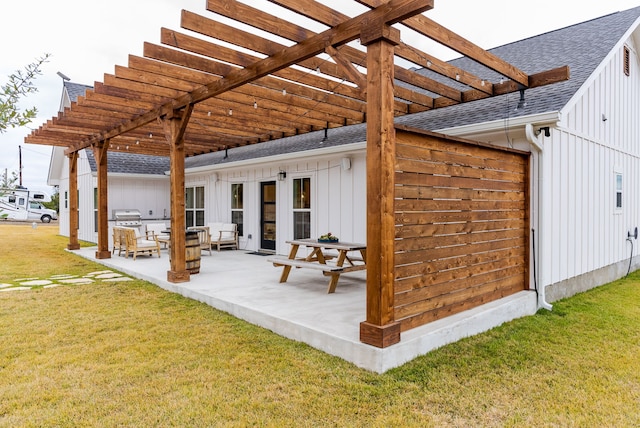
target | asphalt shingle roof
[{"x": 75, "y": 90}]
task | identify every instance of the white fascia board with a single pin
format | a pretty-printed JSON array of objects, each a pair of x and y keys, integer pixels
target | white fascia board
[
  {"x": 325, "y": 151},
  {"x": 549, "y": 118}
]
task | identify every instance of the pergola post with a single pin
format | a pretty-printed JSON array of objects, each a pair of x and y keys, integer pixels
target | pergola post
[
  {"x": 380, "y": 328},
  {"x": 100, "y": 154},
  {"x": 74, "y": 244},
  {"x": 174, "y": 126}
]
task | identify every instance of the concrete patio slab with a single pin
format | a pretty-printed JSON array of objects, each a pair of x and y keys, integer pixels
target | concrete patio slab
[{"x": 246, "y": 286}]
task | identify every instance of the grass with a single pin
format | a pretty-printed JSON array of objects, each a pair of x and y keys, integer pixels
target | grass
[{"x": 132, "y": 354}]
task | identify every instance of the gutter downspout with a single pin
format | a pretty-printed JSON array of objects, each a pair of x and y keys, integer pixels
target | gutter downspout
[{"x": 539, "y": 152}]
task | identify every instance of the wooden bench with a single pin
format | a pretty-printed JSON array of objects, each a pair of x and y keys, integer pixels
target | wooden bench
[
  {"x": 302, "y": 263},
  {"x": 328, "y": 270}
]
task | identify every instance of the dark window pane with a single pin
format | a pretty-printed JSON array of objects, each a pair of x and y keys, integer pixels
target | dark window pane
[
  {"x": 301, "y": 225},
  {"x": 236, "y": 197},
  {"x": 302, "y": 193},
  {"x": 189, "y": 198},
  {"x": 199, "y": 218},
  {"x": 236, "y": 217},
  {"x": 199, "y": 197}
]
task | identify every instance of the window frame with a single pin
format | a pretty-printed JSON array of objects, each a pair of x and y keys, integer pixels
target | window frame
[
  {"x": 305, "y": 208},
  {"x": 618, "y": 186},
  {"x": 194, "y": 219},
  {"x": 235, "y": 209}
]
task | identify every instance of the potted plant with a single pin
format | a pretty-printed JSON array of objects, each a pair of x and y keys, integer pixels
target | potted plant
[{"x": 328, "y": 237}]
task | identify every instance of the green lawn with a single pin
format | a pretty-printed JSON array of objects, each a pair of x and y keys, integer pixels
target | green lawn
[{"x": 131, "y": 354}]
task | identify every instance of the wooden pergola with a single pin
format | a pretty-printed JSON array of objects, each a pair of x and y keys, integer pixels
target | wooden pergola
[{"x": 193, "y": 94}]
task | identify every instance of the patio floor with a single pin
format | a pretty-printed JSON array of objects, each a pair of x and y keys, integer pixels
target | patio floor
[{"x": 245, "y": 285}]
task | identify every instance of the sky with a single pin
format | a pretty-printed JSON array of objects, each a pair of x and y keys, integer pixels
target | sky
[{"x": 87, "y": 39}]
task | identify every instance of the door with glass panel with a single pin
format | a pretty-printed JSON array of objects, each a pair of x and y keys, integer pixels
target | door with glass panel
[{"x": 268, "y": 216}]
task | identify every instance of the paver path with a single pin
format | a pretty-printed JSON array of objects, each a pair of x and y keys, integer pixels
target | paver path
[{"x": 21, "y": 284}]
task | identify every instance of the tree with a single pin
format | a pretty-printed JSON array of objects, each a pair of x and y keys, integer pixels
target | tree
[
  {"x": 20, "y": 84},
  {"x": 8, "y": 181},
  {"x": 55, "y": 202}
]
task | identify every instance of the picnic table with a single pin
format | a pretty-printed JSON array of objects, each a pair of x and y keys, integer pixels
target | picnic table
[{"x": 318, "y": 258}]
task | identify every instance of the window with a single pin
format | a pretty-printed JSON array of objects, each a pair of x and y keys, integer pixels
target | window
[
  {"x": 626, "y": 61},
  {"x": 237, "y": 206},
  {"x": 301, "y": 208},
  {"x": 618, "y": 191},
  {"x": 66, "y": 199},
  {"x": 12, "y": 199},
  {"x": 194, "y": 206}
]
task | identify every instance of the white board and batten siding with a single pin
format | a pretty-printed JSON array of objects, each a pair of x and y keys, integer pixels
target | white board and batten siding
[
  {"x": 599, "y": 136},
  {"x": 338, "y": 196},
  {"x": 149, "y": 194}
]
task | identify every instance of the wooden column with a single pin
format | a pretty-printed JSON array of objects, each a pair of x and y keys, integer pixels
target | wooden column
[
  {"x": 100, "y": 154},
  {"x": 174, "y": 127},
  {"x": 74, "y": 244},
  {"x": 380, "y": 329}
]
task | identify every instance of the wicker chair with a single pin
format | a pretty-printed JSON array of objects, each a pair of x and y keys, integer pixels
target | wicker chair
[
  {"x": 137, "y": 244},
  {"x": 119, "y": 242},
  {"x": 223, "y": 235},
  {"x": 157, "y": 229}
]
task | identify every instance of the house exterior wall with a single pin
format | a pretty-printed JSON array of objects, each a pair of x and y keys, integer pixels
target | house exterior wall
[
  {"x": 598, "y": 138},
  {"x": 338, "y": 196},
  {"x": 150, "y": 195},
  {"x": 85, "y": 199}
]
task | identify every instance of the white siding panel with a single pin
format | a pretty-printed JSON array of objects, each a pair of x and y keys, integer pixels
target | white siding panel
[
  {"x": 338, "y": 197},
  {"x": 583, "y": 230}
]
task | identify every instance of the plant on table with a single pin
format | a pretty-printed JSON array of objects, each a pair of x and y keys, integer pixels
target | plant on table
[{"x": 328, "y": 237}]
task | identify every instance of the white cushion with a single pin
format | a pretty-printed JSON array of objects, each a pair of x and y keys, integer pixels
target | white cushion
[
  {"x": 146, "y": 243},
  {"x": 229, "y": 231}
]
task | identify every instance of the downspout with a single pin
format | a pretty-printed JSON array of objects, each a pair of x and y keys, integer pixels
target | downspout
[{"x": 539, "y": 154}]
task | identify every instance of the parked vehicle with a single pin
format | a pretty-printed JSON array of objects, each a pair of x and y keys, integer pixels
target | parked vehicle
[{"x": 23, "y": 204}]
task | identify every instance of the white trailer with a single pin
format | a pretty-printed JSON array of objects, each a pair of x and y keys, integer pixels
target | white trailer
[{"x": 23, "y": 204}]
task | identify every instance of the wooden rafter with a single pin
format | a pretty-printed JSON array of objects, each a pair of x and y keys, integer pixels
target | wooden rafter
[{"x": 316, "y": 81}]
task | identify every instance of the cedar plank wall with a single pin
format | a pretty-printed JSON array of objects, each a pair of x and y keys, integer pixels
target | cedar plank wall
[{"x": 462, "y": 225}]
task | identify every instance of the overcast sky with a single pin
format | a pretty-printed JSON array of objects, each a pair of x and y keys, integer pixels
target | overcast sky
[{"x": 87, "y": 38}]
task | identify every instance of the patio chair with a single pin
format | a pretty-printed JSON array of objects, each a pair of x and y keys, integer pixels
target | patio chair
[
  {"x": 138, "y": 244},
  {"x": 157, "y": 229},
  {"x": 203, "y": 237},
  {"x": 223, "y": 235},
  {"x": 118, "y": 241}
]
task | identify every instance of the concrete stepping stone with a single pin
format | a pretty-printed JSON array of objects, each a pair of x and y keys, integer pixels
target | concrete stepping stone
[
  {"x": 76, "y": 281},
  {"x": 15, "y": 289},
  {"x": 100, "y": 272},
  {"x": 6, "y": 285},
  {"x": 119, "y": 279},
  {"x": 63, "y": 276},
  {"x": 36, "y": 282},
  {"x": 53, "y": 285},
  {"x": 108, "y": 275}
]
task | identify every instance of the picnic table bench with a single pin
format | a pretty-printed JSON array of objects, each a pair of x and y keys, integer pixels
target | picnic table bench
[{"x": 317, "y": 259}]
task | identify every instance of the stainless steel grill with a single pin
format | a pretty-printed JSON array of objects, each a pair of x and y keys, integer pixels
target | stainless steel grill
[{"x": 130, "y": 218}]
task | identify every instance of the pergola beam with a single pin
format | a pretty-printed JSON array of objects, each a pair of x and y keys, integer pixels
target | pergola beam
[
  {"x": 390, "y": 13},
  {"x": 446, "y": 37}
]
